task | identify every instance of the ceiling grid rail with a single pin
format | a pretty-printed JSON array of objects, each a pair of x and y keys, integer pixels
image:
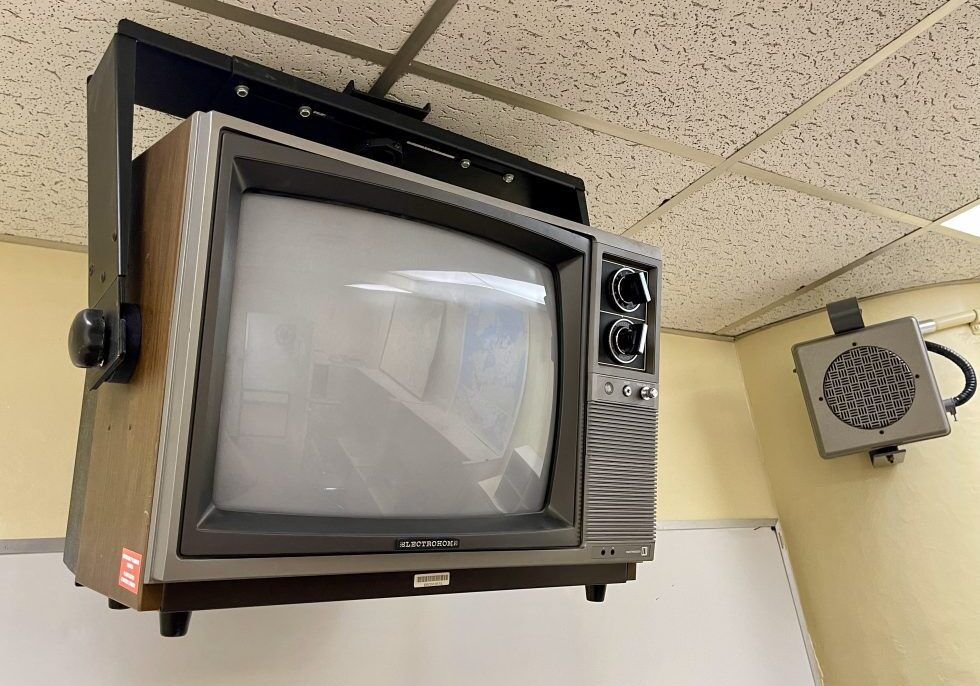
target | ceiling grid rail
[
  {"x": 290, "y": 30},
  {"x": 428, "y": 25},
  {"x": 802, "y": 111},
  {"x": 937, "y": 226},
  {"x": 402, "y": 62}
]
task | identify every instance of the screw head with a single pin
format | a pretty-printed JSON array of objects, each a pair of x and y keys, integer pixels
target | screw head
[
  {"x": 508, "y": 178},
  {"x": 464, "y": 163},
  {"x": 305, "y": 111},
  {"x": 241, "y": 90}
]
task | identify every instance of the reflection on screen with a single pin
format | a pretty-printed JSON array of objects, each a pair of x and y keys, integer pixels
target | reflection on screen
[{"x": 380, "y": 367}]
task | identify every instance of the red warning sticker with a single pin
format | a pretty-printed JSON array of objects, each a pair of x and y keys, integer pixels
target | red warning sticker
[{"x": 129, "y": 570}]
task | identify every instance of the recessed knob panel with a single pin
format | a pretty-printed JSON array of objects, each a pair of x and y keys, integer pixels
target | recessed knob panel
[
  {"x": 626, "y": 340},
  {"x": 629, "y": 289}
]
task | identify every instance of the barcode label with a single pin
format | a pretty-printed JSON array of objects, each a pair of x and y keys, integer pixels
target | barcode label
[{"x": 426, "y": 580}]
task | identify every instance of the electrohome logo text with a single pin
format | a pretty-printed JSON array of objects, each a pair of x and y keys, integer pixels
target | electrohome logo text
[{"x": 426, "y": 543}]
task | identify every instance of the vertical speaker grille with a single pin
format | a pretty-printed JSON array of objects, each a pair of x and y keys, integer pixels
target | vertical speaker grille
[
  {"x": 869, "y": 387},
  {"x": 620, "y": 473}
]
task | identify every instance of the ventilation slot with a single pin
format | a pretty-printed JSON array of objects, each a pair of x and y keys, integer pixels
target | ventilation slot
[{"x": 620, "y": 474}]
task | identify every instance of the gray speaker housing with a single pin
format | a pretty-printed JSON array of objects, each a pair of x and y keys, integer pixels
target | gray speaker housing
[{"x": 876, "y": 389}]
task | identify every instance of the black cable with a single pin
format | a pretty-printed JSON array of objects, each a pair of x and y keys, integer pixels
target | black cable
[{"x": 969, "y": 374}]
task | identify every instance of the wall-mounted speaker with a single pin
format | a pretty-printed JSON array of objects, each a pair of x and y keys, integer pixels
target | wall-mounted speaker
[{"x": 873, "y": 388}]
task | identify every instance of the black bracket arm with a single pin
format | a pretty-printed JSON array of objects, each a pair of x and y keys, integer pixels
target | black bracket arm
[{"x": 104, "y": 338}]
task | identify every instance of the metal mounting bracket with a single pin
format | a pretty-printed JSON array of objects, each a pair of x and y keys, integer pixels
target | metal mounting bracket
[
  {"x": 887, "y": 457},
  {"x": 159, "y": 72},
  {"x": 845, "y": 315}
]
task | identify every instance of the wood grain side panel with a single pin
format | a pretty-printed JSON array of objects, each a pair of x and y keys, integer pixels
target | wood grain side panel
[{"x": 125, "y": 436}]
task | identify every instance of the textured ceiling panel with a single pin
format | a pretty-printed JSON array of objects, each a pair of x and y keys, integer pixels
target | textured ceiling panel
[
  {"x": 907, "y": 135},
  {"x": 925, "y": 259},
  {"x": 739, "y": 244},
  {"x": 623, "y": 181},
  {"x": 48, "y": 47},
  {"x": 377, "y": 23},
  {"x": 711, "y": 74}
]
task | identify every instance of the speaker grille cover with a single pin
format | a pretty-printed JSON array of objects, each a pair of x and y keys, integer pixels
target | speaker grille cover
[
  {"x": 869, "y": 387},
  {"x": 621, "y": 473}
]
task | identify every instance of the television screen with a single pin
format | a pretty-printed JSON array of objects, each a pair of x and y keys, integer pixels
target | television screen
[{"x": 381, "y": 367}]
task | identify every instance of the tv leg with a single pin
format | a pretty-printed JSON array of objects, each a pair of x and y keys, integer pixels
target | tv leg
[
  {"x": 595, "y": 593},
  {"x": 116, "y": 605},
  {"x": 174, "y": 624}
]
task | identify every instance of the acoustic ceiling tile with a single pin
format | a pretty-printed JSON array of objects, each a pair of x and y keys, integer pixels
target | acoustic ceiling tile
[
  {"x": 49, "y": 47},
  {"x": 740, "y": 244},
  {"x": 922, "y": 260},
  {"x": 379, "y": 24},
  {"x": 711, "y": 74},
  {"x": 907, "y": 135},
  {"x": 623, "y": 181}
]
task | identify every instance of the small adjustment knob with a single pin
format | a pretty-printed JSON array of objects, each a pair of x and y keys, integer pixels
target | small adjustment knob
[
  {"x": 648, "y": 393},
  {"x": 626, "y": 340},
  {"x": 87, "y": 341},
  {"x": 629, "y": 289}
]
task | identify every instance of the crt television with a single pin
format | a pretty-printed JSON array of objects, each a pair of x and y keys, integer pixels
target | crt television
[{"x": 357, "y": 381}]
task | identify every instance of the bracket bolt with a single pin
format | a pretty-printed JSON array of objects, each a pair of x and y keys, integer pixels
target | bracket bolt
[
  {"x": 241, "y": 90},
  {"x": 305, "y": 111},
  {"x": 508, "y": 178},
  {"x": 464, "y": 163}
]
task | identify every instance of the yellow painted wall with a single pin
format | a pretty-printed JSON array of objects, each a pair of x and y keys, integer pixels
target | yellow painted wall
[
  {"x": 40, "y": 391},
  {"x": 710, "y": 467},
  {"x": 887, "y": 560}
]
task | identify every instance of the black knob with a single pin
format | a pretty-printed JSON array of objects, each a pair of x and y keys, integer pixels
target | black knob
[
  {"x": 630, "y": 289},
  {"x": 87, "y": 341},
  {"x": 626, "y": 340}
]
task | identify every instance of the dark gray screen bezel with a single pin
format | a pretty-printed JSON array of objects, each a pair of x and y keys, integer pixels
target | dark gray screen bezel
[{"x": 249, "y": 164}]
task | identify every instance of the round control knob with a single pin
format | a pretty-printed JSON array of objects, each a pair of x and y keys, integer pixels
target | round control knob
[
  {"x": 626, "y": 340},
  {"x": 87, "y": 341},
  {"x": 648, "y": 393},
  {"x": 629, "y": 289}
]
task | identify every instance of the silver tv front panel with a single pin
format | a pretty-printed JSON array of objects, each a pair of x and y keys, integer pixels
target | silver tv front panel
[{"x": 620, "y": 408}]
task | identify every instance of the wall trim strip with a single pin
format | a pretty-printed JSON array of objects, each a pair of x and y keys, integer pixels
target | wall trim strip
[
  {"x": 698, "y": 334},
  {"x": 42, "y": 243},
  {"x": 797, "y": 603},
  {"x": 689, "y": 524},
  {"x": 22, "y": 546}
]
